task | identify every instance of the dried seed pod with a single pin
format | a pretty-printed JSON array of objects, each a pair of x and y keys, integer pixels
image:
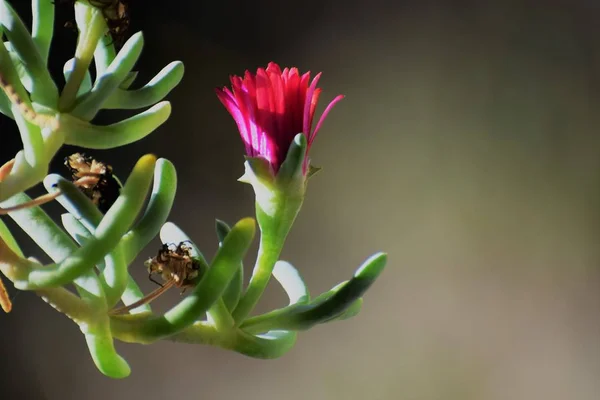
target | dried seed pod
[
  {"x": 174, "y": 262},
  {"x": 115, "y": 13},
  {"x": 95, "y": 179},
  {"x": 175, "y": 265}
]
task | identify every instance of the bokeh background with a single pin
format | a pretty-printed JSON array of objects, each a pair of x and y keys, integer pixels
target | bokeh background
[{"x": 467, "y": 147}]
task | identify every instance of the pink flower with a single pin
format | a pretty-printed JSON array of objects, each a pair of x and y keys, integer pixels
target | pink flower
[{"x": 272, "y": 107}]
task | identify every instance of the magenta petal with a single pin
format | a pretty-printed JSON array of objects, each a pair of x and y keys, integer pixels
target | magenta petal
[
  {"x": 238, "y": 116},
  {"x": 264, "y": 103},
  {"x": 253, "y": 134},
  {"x": 307, "y": 106},
  {"x": 271, "y": 106},
  {"x": 313, "y": 107},
  {"x": 327, "y": 109},
  {"x": 273, "y": 67}
]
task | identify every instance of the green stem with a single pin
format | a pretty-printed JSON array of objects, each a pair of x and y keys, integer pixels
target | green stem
[
  {"x": 270, "y": 345},
  {"x": 278, "y": 201},
  {"x": 222, "y": 319},
  {"x": 267, "y": 346},
  {"x": 268, "y": 254},
  {"x": 84, "y": 53},
  {"x": 232, "y": 294},
  {"x": 274, "y": 227},
  {"x": 67, "y": 303}
]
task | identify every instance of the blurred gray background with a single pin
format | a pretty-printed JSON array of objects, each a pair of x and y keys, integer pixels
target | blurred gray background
[{"x": 467, "y": 147}]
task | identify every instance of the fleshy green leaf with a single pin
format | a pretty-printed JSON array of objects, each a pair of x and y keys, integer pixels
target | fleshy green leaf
[
  {"x": 205, "y": 294},
  {"x": 44, "y": 89},
  {"x": 150, "y": 94},
  {"x": 290, "y": 171},
  {"x": 272, "y": 344},
  {"x": 132, "y": 291},
  {"x": 42, "y": 27},
  {"x": 113, "y": 226},
  {"x": 232, "y": 294},
  {"x": 128, "y": 81},
  {"x": 86, "y": 84},
  {"x": 89, "y": 105},
  {"x": 83, "y": 134},
  {"x": 92, "y": 27},
  {"x": 292, "y": 282},
  {"x": 341, "y": 302},
  {"x": 30, "y": 134},
  {"x": 157, "y": 211},
  {"x": 104, "y": 55}
]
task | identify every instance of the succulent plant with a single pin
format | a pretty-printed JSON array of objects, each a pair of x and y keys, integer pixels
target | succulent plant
[{"x": 94, "y": 247}]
